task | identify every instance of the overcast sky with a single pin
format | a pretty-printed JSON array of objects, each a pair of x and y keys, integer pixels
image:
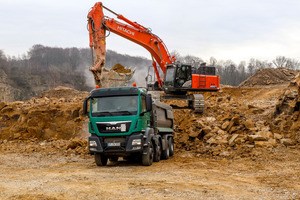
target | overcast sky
[{"x": 225, "y": 29}]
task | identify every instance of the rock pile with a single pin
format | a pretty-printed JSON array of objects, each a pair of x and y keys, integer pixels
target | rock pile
[
  {"x": 285, "y": 120},
  {"x": 219, "y": 135},
  {"x": 270, "y": 76},
  {"x": 235, "y": 121},
  {"x": 56, "y": 114}
]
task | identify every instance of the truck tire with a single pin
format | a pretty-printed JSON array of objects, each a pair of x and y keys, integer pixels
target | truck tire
[
  {"x": 165, "y": 153},
  {"x": 147, "y": 159},
  {"x": 157, "y": 152},
  {"x": 100, "y": 160},
  {"x": 171, "y": 146}
]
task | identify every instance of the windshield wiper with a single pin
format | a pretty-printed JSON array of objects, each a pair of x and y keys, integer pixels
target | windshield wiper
[
  {"x": 104, "y": 113},
  {"x": 125, "y": 112}
]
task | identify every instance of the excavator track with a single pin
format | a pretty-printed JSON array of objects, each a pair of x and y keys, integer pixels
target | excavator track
[{"x": 198, "y": 103}]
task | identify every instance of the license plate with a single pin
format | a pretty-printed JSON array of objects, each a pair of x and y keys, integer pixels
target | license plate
[{"x": 114, "y": 144}]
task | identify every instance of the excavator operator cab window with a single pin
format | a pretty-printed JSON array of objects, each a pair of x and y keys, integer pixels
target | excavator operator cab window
[
  {"x": 183, "y": 74},
  {"x": 169, "y": 79}
]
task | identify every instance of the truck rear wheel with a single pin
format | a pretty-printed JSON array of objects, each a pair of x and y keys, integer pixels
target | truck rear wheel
[
  {"x": 165, "y": 154},
  {"x": 147, "y": 159},
  {"x": 157, "y": 152},
  {"x": 171, "y": 146},
  {"x": 100, "y": 160}
]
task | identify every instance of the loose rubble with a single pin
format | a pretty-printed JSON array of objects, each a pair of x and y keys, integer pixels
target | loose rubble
[
  {"x": 236, "y": 122},
  {"x": 285, "y": 121},
  {"x": 120, "y": 68}
]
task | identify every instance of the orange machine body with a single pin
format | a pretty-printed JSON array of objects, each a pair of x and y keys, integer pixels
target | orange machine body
[{"x": 209, "y": 82}]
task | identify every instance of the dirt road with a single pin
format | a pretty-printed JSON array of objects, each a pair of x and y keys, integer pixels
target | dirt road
[{"x": 41, "y": 175}]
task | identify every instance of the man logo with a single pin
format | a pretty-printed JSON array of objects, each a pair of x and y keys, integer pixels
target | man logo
[{"x": 113, "y": 128}]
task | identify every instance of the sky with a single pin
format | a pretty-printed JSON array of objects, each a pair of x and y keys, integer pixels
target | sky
[{"x": 223, "y": 29}]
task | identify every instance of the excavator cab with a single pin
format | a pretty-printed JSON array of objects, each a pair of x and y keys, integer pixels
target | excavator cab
[
  {"x": 177, "y": 76},
  {"x": 183, "y": 76}
]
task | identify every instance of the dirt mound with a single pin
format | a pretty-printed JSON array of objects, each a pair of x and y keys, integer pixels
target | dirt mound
[
  {"x": 270, "y": 76},
  {"x": 45, "y": 117},
  {"x": 120, "y": 68},
  {"x": 62, "y": 92}
]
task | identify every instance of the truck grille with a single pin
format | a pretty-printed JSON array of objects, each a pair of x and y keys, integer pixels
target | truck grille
[{"x": 114, "y": 127}]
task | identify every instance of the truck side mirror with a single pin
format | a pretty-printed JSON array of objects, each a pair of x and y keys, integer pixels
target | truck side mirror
[
  {"x": 85, "y": 102},
  {"x": 148, "y": 103}
]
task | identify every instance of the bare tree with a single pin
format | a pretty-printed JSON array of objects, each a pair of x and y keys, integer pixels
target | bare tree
[
  {"x": 213, "y": 61},
  {"x": 280, "y": 61},
  {"x": 191, "y": 59},
  {"x": 292, "y": 63}
]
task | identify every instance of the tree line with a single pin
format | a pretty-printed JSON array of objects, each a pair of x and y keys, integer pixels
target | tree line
[
  {"x": 43, "y": 68},
  {"x": 233, "y": 74}
]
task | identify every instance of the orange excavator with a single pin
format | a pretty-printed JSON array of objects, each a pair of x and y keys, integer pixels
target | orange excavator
[{"x": 177, "y": 81}]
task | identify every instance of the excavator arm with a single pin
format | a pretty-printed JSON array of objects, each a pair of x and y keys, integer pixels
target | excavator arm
[{"x": 99, "y": 25}]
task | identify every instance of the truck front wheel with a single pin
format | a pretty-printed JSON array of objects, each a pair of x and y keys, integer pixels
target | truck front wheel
[
  {"x": 100, "y": 160},
  {"x": 147, "y": 159}
]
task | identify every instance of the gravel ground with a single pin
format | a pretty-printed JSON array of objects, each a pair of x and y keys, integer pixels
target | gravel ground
[{"x": 40, "y": 175}]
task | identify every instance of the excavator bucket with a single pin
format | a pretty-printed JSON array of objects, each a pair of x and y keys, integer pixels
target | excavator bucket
[{"x": 115, "y": 77}]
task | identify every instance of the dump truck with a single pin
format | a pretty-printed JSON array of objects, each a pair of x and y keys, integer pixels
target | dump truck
[{"x": 126, "y": 122}]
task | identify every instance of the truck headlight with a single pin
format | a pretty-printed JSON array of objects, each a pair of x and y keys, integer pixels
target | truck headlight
[
  {"x": 136, "y": 142},
  {"x": 93, "y": 143}
]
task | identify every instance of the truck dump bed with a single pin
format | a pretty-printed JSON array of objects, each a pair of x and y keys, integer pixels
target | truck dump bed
[{"x": 163, "y": 116}]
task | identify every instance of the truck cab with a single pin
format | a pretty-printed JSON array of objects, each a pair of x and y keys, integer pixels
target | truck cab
[{"x": 123, "y": 122}]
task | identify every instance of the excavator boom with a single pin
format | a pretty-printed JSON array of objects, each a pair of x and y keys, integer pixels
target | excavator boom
[{"x": 98, "y": 25}]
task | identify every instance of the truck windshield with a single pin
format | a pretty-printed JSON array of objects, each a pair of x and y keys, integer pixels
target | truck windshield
[{"x": 114, "y": 106}]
